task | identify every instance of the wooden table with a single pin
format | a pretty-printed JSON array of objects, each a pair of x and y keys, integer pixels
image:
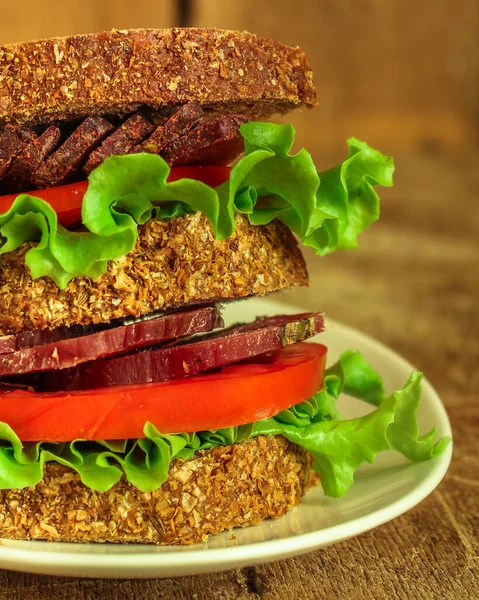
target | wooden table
[{"x": 413, "y": 284}]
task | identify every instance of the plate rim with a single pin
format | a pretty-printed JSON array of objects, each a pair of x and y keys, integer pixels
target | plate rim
[{"x": 146, "y": 563}]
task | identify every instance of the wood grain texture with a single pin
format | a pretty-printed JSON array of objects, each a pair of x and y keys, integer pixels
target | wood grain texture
[
  {"x": 399, "y": 72},
  {"x": 414, "y": 285},
  {"x": 31, "y": 20}
]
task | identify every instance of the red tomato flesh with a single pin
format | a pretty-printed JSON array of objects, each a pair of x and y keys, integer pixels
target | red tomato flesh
[
  {"x": 67, "y": 200},
  {"x": 238, "y": 394}
]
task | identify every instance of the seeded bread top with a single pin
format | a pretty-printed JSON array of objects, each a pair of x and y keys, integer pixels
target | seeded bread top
[{"x": 116, "y": 72}]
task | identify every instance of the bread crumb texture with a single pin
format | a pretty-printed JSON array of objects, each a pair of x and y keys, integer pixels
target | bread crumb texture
[
  {"x": 233, "y": 486},
  {"x": 175, "y": 263},
  {"x": 118, "y": 71}
]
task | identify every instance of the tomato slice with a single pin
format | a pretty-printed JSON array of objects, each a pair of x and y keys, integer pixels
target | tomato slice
[
  {"x": 67, "y": 200},
  {"x": 238, "y": 394}
]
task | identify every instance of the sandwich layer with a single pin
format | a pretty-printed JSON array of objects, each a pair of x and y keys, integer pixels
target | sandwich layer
[
  {"x": 232, "y": 486},
  {"x": 38, "y": 159},
  {"x": 174, "y": 263},
  {"x": 116, "y": 72}
]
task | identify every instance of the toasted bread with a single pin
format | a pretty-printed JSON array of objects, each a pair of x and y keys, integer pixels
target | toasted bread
[
  {"x": 231, "y": 486},
  {"x": 175, "y": 263},
  {"x": 63, "y": 79}
]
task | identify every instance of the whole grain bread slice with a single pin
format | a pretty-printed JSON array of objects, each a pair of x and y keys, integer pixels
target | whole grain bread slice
[
  {"x": 218, "y": 489},
  {"x": 175, "y": 263},
  {"x": 116, "y": 72}
]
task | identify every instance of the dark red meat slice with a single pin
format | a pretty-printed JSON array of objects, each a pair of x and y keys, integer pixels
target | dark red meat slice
[
  {"x": 68, "y": 353},
  {"x": 209, "y": 352},
  {"x": 7, "y": 344},
  {"x": 12, "y": 141},
  {"x": 61, "y": 166},
  {"x": 177, "y": 125},
  {"x": 133, "y": 131},
  {"x": 216, "y": 142},
  {"x": 220, "y": 152},
  {"x": 22, "y": 170},
  {"x": 295, "y": 328},
  {"x": 28, "y": 339}
]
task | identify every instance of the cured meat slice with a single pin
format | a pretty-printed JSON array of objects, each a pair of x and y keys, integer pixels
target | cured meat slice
[
  {"x": 38, "y": 337},
  {"x": 28, "y": 161},
  {"x": 61, "y": 166},
  {"x": 133, "y": 131},
  {"x": 12, "y": 141},
  {"x": 225, "y": 347},
  {"x": 7, "y": 344},
  {"x": 177, "y": 125},
  {"x": 68, "y": 353},
  {"x": 216, "y": 142},
  {"x": 22, "y": 170}
]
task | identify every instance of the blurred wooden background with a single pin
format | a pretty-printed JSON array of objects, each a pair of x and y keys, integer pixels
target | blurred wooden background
[{"x": 400, "y": 73}]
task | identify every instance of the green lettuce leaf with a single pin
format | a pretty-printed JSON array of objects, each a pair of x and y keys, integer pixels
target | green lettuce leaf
[
  {"x": 347, "y": 194},
  {"x": 269, "y": 170},
  {"x": 360, "y": 379},
  {"x": 338, "y": 446},
  {"x": 326, "y": 210},
  {"x": 123, "y": 193}
]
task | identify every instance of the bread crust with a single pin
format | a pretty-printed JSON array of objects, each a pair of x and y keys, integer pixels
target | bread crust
[
  {"x": 118, "y": 71},
  {"x": 175, "y": 263},
  {"x": 233, "y": 486}
]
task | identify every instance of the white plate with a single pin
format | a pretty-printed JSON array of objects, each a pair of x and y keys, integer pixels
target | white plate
[{"x": 381, "y": 492}]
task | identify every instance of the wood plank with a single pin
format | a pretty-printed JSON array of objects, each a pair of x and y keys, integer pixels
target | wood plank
[
  {"x": 58, "y": 18},
  {"x": 400, "y": 74}
]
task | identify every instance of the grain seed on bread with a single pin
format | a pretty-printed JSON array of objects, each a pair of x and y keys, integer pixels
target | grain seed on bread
[
  {"x": 174, "y": 263},
  {"x": 63, "y": 79},
  {"x": 218, "y": 489}
]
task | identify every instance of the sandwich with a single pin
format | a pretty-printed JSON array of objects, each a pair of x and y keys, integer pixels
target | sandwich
[{"x": 142, "y": 186}]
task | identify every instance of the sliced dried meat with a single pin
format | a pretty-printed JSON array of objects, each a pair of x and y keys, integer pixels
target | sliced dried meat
[
  {"x": 62, "y": 166},
  {"x": 182, "y": 121},
  {"x": 24, "y": 166},
  {"x": 12, "y": 141},
  {"x": 7, "y": 344},
  {"x": 67, "y": 353},
  {"x": 28, "y": 161},
  {"x": 133, "y": 131},
  {"x": 39, "y": 337},
  {"x": 208, "y": 352},
  {"x": 216, "y": 142}
]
